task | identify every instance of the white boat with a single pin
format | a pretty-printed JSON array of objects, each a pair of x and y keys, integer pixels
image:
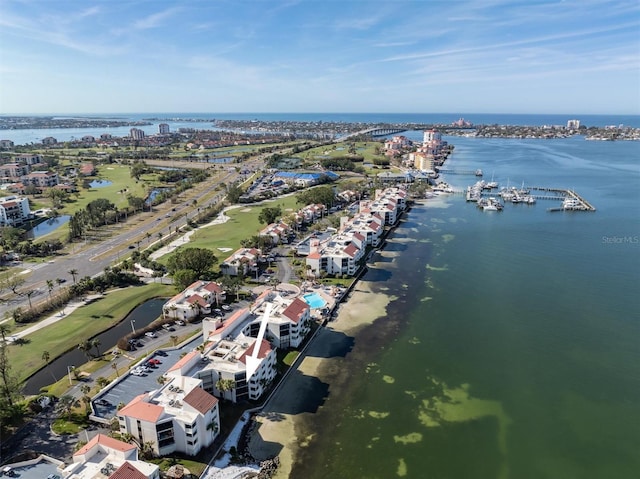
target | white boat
[{"x": 571, "y": 203}]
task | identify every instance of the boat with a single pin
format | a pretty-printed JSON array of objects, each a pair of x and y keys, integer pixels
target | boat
[
  {"x": 572, "y": 203},
  {"x": 492, "y": 184},
  {"x": 478, "y": 172}
]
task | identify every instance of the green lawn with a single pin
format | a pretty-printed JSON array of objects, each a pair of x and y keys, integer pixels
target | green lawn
[
  {"x": 80, "y": 325},
  {"x": 242, "y": 224},
  {"x": 365, "y": 149}
]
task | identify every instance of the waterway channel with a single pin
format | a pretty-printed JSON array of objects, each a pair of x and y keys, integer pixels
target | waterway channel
[{"x": 143, "y": 315}]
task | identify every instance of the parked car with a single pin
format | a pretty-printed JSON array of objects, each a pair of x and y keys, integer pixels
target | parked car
[
  {"x": 225, "y": 307},
  {"x": 103, "y": 402},
  {"x": 218, "y": 312},
  {"x": 161, "y": 353},
  {"x": 150, "y": 334},
  {"x": 180, "y": 322},
  {"x": 154, "y": 361},
  {"x": 168, "y": 327}
]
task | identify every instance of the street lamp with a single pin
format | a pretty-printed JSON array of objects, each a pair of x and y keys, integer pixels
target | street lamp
[
  {"x": 69, "y": 369},
  {"x": 133, "y": 321}
]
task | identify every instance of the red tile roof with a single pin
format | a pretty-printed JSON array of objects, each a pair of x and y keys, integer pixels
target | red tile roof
[
  {"x": 105, "y": 441},
  {"x": 296, "y": 310},
  {"x": 200, "y": 400},
  {"x": 184, "y": 360},
  {"x": 265, "y": 349},
  {"x": 127, "y": 471},
  {"x": 139, "y": 409},
  {"x": 351, "y": 250}
]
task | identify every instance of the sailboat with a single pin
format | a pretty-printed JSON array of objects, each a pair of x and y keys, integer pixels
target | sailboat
[{"x": 492, "y": 184}]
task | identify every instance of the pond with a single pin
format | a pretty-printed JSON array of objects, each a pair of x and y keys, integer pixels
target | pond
[
  {"x": 48, "y": 226},
  {"x": 143, "y": 315},
  {"x": 100, "y": 183}
]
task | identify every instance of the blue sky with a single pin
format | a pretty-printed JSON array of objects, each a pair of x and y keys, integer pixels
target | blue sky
[{"x": 489, "y": 56}]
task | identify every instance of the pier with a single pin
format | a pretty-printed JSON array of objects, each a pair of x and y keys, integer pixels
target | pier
[
  {"x": 458, "y": 172},
  {"x": 574, "y": 202}
]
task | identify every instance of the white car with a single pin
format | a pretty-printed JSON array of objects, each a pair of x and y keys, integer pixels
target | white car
[
  {"x": 180, "y": 323},
  {"x": 150, "y": 334}
]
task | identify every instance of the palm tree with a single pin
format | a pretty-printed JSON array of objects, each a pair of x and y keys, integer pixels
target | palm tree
[
  {"x": 30, "y": 293},
  {"x": 66, "y": 404},
  {"x": 213, "y": 427},
  {"x": 45, "y": 357},
  {"x": 174, "y": 339},
  {"x": 50, "y": 287},
  {"x": 4, "y": 330},
  {"x": 224, "y": 385},
  {"x": 85, "y": 347},
  {"x": 102, "y": 381},
  {"x": 95, "y": 343},
  {"x": 114, "y": 366},
  {"x": 86, "y": 399}
]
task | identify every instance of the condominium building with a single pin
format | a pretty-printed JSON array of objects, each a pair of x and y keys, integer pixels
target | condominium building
[
  {"x": 198, "y": 298},
  {"x": 106, "y": 457},
  {"x": 14, "y": 210},
  {"x": 136, "y": 133},
  {"x": 163, "y": 128},
  {"x": 178, "y": 417},
  {"x": 241, "y": 262}
]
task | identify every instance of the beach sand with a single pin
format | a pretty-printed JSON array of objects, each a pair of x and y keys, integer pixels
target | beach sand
[{"x": 306, "y": 388}]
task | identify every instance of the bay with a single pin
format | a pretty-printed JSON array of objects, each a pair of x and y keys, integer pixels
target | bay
[
  {"x": 512, "y": 347},
  {"x": 178, "y": 120}
]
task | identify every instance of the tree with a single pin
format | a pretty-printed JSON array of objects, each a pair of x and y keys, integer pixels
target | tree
[
  {"x": 50, "y": 287},
  {"x": 135, "y": 202},
  {"x": 114, "y": 366},
  {"x": 224, "y": 385},
  {"x": 95, "y": 343},
  {"x": 15, "y": 282},
  {"x": 45, "y": 357},
  {"x": 73, "y": 273},
  {"x": 183, "y": 278},
  {"x": 66, "y": 404},
  {"x": 85, "y": 347},
  {"x": 4, "y": 330},
  {"x": 30, "y": 293},
  {"x": 101, "y": 381},
  {"x": 86, "y": 399},
  {"x": 10, "y": 387},
  {"x": 174, "y": 339},
  {"x": 321, "y": 194},
  {"x": 138, "y": 169},
  {"x": 268, "y": 215},
  {"x": 198, "y": 260}
]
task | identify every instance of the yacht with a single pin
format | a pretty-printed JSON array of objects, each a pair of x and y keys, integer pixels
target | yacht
[{"x": 571, "y": 203}]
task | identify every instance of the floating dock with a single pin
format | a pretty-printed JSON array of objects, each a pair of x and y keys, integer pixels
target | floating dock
[{"x": 574, "y": 202}]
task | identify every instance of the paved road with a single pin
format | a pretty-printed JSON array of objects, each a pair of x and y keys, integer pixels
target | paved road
[{"x": 92, "y": 259}]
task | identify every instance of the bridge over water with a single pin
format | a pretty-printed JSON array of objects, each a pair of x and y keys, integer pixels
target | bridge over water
[{"x": 372, "y": 132}]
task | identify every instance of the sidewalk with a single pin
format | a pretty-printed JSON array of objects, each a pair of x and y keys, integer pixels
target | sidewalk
[{"x": 68, "y": 308}]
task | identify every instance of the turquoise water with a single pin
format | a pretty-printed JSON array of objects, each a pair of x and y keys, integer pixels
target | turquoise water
[
  {"x": 513, "y": 347},
  {"x": 314, "y": 300}
]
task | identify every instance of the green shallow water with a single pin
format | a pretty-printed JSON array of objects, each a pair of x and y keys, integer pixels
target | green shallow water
[{"x": 512, "y": 349}]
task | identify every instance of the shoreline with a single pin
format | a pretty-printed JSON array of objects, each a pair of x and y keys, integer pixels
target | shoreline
[{"x": 304, "y": 391}]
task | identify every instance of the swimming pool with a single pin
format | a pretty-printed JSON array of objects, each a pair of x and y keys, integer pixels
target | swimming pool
[{"x": 314, "y": 300}]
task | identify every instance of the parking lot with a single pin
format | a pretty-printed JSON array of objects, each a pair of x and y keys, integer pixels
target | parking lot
[{"x": 129, "y": 385}]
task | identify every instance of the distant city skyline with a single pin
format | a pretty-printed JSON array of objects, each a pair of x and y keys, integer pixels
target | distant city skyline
[{"x": 498, "y": 56}]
